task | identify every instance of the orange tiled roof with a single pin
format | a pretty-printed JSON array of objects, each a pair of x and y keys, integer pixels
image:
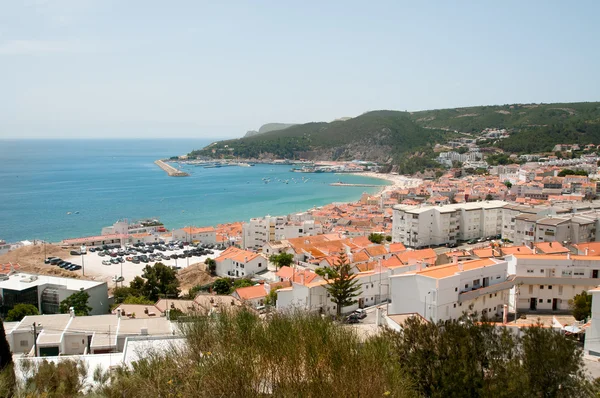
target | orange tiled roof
[
  {"x": 251, "y": 292},
  {"x": 444, "y": 271},
  {"x": 551, "y": 248}
]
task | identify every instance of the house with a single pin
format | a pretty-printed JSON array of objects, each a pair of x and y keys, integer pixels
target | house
[
  {"x": 253, "y": 295},
  {"x": 236, "y": 262}
]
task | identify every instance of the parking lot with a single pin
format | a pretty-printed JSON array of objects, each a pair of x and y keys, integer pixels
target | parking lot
[{"x": 93, "y": 267}]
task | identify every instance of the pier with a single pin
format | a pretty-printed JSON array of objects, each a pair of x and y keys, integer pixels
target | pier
[
  {"x": 343, "y": 184},
  {"x": 171, "y": 171}
]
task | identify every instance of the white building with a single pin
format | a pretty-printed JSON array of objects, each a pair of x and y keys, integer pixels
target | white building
[
  {"x": 308, "y": 293},
  {"x": 447, "y": 291},
  {"x": 419, "y": 226},
  {"x": 592, "y": 333},
  {"x": 67, "y": 334},
  {"x": 234, "y": 262},
  {"x": 196, "y": 234},
  {"x": 125, "y": 227},
  {"x": 46, "y": 292},
  {"x": 547, "y": 282},
  {"x": 259, "y": 231}
]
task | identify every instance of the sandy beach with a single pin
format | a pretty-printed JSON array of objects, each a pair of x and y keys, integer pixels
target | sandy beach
[{"x": 396, "y": 181}]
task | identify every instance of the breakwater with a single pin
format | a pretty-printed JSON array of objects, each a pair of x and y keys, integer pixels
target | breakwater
[{"x": 171, "y": 171}]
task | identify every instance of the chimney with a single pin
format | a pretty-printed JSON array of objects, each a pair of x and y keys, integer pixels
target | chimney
[
  {"x": 418, "y": 268},
  {"x": 72, "y": 312},
  {"x": 454, "y": 260},
  {"x": 568, "y": 255},
  {"x": 460, "y": 266},
  {"x": 587, "y": 250}
]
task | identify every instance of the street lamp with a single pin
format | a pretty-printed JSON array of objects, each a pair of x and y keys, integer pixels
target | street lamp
[{"x": 82, "y": 265}]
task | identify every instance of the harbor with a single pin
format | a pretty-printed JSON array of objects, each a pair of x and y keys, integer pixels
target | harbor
[{"x": 171, "y": 171}]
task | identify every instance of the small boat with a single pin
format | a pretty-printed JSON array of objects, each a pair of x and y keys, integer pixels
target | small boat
[
  {"x": 76, "y": 212},
  {"x": 68, "y": 213}
]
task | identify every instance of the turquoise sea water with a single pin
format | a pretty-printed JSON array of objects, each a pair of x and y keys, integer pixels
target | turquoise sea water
[{"x": 106, "y": 180}]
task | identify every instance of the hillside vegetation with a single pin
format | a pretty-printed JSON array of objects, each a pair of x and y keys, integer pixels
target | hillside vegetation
[
  {"x": 379, "y": 136},
  {"x": 304, "y": 355},
  {"x": 534, "y": 127}
]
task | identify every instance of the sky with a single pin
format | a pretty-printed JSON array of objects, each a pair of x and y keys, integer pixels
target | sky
[{"x": 162, "y": 69}]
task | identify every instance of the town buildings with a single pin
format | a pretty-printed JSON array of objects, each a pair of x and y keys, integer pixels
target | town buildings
[{"x": 234, "y": 262}]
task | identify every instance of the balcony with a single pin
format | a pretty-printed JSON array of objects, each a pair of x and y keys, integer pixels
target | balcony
[{"x": 481, "y": 291}]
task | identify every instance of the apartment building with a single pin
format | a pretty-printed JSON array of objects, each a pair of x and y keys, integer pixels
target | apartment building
[
  {"x": 419, "y": 226},
  {"x": 547, "y": 282},
  {"x": 259, "y": 231},
  {"x": 196, "y": 234},
  {"x": 447, "y": 291},
  {"x": 527, "y": 228}
]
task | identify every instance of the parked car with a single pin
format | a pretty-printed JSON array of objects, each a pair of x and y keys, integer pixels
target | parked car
[
  {"x": 360, "y": 313},
  {"x": 352, "y": 318}
]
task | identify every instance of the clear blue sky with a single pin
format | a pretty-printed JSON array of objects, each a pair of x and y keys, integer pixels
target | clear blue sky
[{"x": 101, "y": 68}]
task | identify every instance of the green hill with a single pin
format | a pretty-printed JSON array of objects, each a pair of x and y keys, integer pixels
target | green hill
[
  {"x": 407, "y": 139},
  {"x": 378, "y": 136},
  {"x": 534, "y": 127}
]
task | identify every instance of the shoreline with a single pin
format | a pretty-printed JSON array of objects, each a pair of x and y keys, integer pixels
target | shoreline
[
  {"x": 395, "y": 181},
  {"x": 391, "y": 184}
]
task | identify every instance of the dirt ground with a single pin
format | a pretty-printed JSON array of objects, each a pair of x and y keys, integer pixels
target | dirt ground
[
  {"x": 31, "y": 259},
  {"x": 194, "y": 275}
]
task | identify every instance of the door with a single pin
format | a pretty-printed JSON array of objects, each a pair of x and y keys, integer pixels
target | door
[
  {"x": 554, "y": 304},
  {"x": 486, "y": 282},
  {"x": 361, "y": 303},
  {"x": 595, "y": 274},
  {"x": 533, "y": 304}
]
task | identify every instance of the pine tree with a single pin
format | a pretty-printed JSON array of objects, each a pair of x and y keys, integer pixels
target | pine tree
[{"x": 342, "y": 284}]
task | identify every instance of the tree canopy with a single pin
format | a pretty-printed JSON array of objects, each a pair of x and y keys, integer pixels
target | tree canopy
[
  {"x": 376, "y": 238},
  {"x": 581, "y": 306},
  {"x": 282, "y": 259},
  {"x": 342, "y": 284},
  {"x": 20, "y": 311},
  {"x": 78, "y": 301}
]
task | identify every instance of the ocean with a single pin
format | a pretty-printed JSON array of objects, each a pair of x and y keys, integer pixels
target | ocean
[{"x": 107, "y": 180}]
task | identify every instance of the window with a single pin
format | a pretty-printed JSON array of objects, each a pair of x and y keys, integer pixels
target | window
[
  {"x": 530, "y": 271},
  {"x": 541, "y": 287},
  {"x": 466, "y": 285},
  {"x": 560, "y": 290},
  {"x": 23, "y": 343},
  {"x": 549, "y": 287},
  {"x": 259, "y": 265},
  {"x": 548, "y": 301},
  {"x": 456, "y": 289},
  {"x": 490, "y": 296},
  {"x": 530, "y": 289},
  {"x": 541, "y": 301},
  {"x": 541, "y": 271},
  {"x": 495, "y": 294}
]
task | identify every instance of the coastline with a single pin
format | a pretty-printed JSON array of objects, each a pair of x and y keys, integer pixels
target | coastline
[{"x": 395, "y": 181}]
